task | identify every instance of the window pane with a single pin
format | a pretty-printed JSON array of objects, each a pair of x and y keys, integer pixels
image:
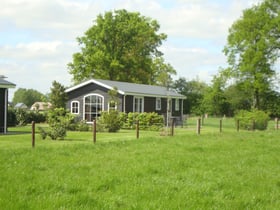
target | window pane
[{"x": 93, "y": 107}]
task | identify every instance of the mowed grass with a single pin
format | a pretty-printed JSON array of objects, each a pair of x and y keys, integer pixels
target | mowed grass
[{"x": 228, "y": 170}]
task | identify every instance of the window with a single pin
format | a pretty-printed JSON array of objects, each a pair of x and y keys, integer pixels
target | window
[
  {"x": 138, "y": 104},
  {"x": 93, "y": 106},
  {"x": 75, "y": 107},
  {"x": 177, "y": 105},
  {"x": 158, "y": 103},
  {"x": 112, "y": 105}
]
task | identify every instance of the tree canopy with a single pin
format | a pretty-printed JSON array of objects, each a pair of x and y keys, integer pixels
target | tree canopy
[
  {"x": 58, "y": 96},
  {"x": 121, "y": 46},
  {"x": 253, "y": 48},
  {"x": 27, "y": 96}
]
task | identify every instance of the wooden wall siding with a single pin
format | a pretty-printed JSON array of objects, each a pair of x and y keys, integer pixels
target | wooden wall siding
[
  {"x": 80, "y": 93},
  {"x": 2, "y": 109}
]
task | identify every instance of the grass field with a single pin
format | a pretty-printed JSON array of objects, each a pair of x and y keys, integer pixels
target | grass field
[{"x": 228, "y": 170}]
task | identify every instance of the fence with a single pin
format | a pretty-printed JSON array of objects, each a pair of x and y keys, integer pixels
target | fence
[{"x": 198, "y": 125}]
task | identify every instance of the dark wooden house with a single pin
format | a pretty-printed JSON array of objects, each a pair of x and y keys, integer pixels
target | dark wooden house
[
  {"x": 88, "y": 99},
  {"x": 4, "y": 86}
]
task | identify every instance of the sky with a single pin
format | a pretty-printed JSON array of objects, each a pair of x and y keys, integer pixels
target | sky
[{"x": 38, "y": 37}]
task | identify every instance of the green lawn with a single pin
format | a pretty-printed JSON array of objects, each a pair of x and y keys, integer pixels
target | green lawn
[{"x": 228, "y": 170}]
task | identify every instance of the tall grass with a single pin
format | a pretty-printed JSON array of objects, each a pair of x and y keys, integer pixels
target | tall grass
[{"x": 228, "y": 170}]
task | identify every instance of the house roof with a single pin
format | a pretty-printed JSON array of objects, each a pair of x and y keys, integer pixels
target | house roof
[
  {"x": 21, "y": 106},
  {"x": 5, "y": 84},
  {"x": 41, "y": 106},
  {"x": 126, "y": 88}
]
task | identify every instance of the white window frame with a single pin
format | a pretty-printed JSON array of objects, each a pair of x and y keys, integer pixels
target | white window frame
[
  {"x": 112, "y": 107},
  {"x": 138, "y": 109},
  {"x": 102, "y": 105},
  {"x": 158, "y": 104},
  {"x": 177, "y": 104},
  {"x": 78, "y": 107}
]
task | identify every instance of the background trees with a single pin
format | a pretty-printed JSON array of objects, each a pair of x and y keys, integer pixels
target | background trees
[
  {"x": 253, "y": 48},
  {"x": 27, "y": 96},
  {"x": 121, "y": 46}
]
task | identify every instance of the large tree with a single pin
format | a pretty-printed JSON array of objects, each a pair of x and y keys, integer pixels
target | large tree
[
  {"x": 253, "y": 48},
  {"x": 120, "y": 46}
]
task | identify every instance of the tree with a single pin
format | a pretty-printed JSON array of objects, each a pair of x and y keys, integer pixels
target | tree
[
  {"x": 57, "y": 96},
  {"x": 120, "y": 46},
  {"x": 27, "y": 96},
  {"x": 214, "y": 100},
  {"x": 162, "y": 73},
  {"x": 194, "y": 91},
  {"x": 253, "y": 48}
]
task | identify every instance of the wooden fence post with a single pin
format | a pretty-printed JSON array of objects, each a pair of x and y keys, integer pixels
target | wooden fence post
[
  {"x": 33, "y": 134},
  {"x": 276, "y": 123},
  {"x": 137, "y": 129},
  {"x": 172, "y": 127},
  {"x": 221, "y": 125},
  {"x": 198, "y": 125},
  {"x": 94, "y": 131}
]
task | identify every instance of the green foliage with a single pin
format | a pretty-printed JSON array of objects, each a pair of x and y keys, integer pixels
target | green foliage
[
  {"x": 120, "y": 46},
  {"x": 194, "y": 91},
  {"x": 27, "y": 96},
  {"x": 57, "y": 96},
  {"x": 253, "y": 48},
  {"x": 59, "y": 120},
  {"x": 214, "y": 100},
  {"x": 43, "y": 133},
  {"x": 78, "y": 126},
  {"x": 163, "y": 72},
  {"x": 111, "y": 120},
  {"x": 147, "y": 121},
  {"x": 248, "y": 119},
  {"x": 21, "y": 116},
  {"x": 37, "y": 117}
]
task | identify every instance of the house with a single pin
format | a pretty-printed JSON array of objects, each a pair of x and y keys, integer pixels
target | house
[
  {"x": 20, "y": 106},
  {"x": 41, "y": 106},
  {"x": 88, "y": 99},
  {"x": 4, "y": 86}
]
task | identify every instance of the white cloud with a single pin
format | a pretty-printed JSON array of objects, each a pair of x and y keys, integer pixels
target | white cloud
[{"x": 38, "y": 36}]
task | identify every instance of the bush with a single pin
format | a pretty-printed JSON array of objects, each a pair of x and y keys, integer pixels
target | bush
[
  {"x": 147, "y": 121},
  {"x": 53, "y": 132},
  {"x": 21, "y": 116},
  {"x": 111, "y": 120},
  {"x": 59, "y": 120},
  {"x": 35, "y": 116},
  {"x": 246, "y": 119}
]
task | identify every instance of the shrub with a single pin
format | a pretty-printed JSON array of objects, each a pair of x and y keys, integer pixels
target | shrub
[
  {"x": 147, "y": 121},
  {"x": 111, "y": 120},
  {"x": 82, "y": 126},
  {"x": 246, "y": 119},
  {"x": 35, "y": 116},
  {"x": 53, "y": 132},
  {"x": 59, "y": 120},
  {"x": 21, "y": 116}
]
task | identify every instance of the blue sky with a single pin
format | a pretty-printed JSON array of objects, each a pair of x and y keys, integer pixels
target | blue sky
[{"x": 38, "y": 37}]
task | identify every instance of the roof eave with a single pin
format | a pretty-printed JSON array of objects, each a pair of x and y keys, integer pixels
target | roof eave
[
  {"x": 154, "y": 95},
  {"x": 7, "y": 86},
  {"x": 92, "y": 81}
]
